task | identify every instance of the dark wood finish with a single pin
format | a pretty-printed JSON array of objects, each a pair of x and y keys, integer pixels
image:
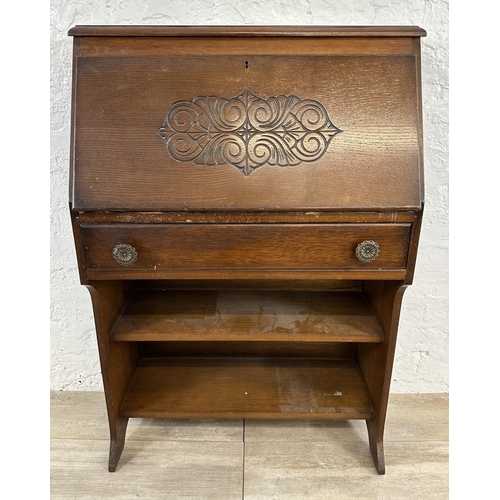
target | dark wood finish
[
  {"x": 250, "y": 274},
  {"x": 248, "y": 284},
  {"x": 413, "y": 247},
  {"x": 247, "y": 388},
  {"x": 292, "y": 146},
  {"x": 217, "y": 45},
  {"x": 249, "y": 349},
  {"x": 228, "y": 246},
  {"x": 254, "y": 316},
  {"x": 375, "y": 436},
  {"x": 248, "y": 31},
  {"x": 118, "y": 361},
  {"x": 75, "y": 226},
  {"x": 376, "y": 362},
  {"x": 379, "y": 142},
  {"x": 242, "y": 217}
]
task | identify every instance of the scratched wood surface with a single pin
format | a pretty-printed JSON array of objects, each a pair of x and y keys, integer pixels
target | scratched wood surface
[
  {"x": 243, "y": 217},
  {"x": 248, "y": 460},
  {"x": 247, "y": 315},
  {"x": 247, "y": 388}
]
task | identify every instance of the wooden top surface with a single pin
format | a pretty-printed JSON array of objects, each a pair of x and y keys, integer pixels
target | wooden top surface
[{"x": 317, "y": 31}]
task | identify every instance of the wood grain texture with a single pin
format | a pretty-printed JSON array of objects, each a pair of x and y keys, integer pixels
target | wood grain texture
[
  {"x": 413, "y": 246},
  {"x": 218, "y": 45},
  {"x": 77, "y": 236},
  {"x": 254, "y": 275},
  {"x": 242, "y": 217},
  {"x": 293, "y": 145},
  {"x": 247, "y": 316},
  {"x": 376, "y": 362},
  {"x": 118, "y": 361},
  {"x": 248, "y": 284},
  {"x": 245, "y": 31},
  {"x": 247, "y": 388},
  {"x": 123, "y": 100},
  {"x": 248, "y": 349},
  {"x": 225, "y": 246}
]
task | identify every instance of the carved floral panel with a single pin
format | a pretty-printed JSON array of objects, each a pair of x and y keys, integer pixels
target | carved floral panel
[{"x": 247, "y": 131}]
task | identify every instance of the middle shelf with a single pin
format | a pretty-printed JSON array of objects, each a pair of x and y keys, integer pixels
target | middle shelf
[{"x": 247, "y": 315}]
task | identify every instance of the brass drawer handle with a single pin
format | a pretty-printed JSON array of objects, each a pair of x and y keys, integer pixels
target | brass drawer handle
[
  {"x": 367, "y": 251},
  {"x": 124, "y": 254}
]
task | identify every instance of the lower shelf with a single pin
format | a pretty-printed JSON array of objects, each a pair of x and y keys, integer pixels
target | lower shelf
[{"x": 247, "y": 388}]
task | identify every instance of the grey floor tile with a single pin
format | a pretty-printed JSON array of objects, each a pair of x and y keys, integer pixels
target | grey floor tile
[{"x": 153, "y": 470}]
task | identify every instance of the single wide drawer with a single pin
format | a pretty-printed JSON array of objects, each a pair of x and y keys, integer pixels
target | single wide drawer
[{"x": 161, "y": 247}]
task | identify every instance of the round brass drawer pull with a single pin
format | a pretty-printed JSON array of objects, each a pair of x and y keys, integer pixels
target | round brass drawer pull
[
  {"x": 124, "y": 254},
  {"x": 367, "y": 251}
]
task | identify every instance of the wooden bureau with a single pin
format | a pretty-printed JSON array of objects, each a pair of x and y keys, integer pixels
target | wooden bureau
[{"x": 246, "y": 205}]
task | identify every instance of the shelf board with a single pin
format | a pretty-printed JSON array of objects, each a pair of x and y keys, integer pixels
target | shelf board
[
  {"x": 244, "y": 315},
  {"x": 247, "y": 388}
]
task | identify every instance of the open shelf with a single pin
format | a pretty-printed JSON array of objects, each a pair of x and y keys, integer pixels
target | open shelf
[
  {"x": 247, "y": 388},
  {"x": 245, "y": 315}
]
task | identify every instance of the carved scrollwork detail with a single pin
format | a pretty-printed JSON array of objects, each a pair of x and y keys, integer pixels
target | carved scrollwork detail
[{"x": 247, "y": 131}]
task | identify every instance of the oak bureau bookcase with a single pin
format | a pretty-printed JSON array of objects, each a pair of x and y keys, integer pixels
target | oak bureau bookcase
[{"x": 246, "y": 205}]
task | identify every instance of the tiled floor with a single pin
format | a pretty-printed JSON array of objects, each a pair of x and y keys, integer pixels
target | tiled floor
[{"x": 225, "y": 459}]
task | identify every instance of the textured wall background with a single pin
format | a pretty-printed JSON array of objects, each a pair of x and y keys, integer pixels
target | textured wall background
[{"x": 422, "y": 354}]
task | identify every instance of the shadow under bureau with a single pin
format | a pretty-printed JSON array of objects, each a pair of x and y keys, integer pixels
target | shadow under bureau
[{"x": 246, "y": 205}]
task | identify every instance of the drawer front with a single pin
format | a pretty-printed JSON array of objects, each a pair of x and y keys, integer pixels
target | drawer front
[{"x": 161, "y": 247}]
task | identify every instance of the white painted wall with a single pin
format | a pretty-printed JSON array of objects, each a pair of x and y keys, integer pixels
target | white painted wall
[{"x": 422, "y": 354}]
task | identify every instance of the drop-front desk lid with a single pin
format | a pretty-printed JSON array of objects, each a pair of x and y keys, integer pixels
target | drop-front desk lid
[{"x": 246, "y": 118}]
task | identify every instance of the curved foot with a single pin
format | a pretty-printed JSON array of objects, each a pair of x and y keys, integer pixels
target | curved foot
[
  {"x": 376, "y": 445},
  {"x": 117, "y": 443}
]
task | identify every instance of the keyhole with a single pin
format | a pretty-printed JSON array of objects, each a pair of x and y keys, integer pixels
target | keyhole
[{"x": 246, "y": 64}]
